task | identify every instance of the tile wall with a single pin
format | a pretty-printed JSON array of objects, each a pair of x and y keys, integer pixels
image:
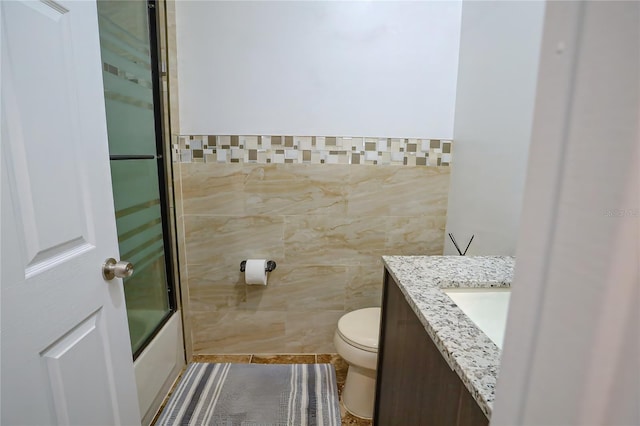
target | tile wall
[
  {"x": 313, "y": 150},
  {"x": 326, "y": 225}
]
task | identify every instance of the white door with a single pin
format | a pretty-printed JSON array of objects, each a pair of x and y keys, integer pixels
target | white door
[{"x": 66, "y": 357}]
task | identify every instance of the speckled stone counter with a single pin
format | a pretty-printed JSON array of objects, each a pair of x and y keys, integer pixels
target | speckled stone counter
[{"x": 467, "y": 350}]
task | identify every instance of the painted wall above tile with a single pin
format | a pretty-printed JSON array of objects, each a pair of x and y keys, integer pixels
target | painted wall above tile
[
  {"x": 318, "y": 67},
  {"x": 312, "y": 150}
]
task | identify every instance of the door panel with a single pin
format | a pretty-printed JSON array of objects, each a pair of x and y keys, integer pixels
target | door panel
[
  {"x": 45, "y": 245},
  {"x": 65, "y": 355},
  {"x": 81, "y": 355}
]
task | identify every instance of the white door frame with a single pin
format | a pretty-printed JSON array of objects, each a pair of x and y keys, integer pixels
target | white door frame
[{"x": 571, "y": 353}]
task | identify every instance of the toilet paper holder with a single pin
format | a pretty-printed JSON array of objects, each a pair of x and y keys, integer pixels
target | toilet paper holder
[{"x": 271, "y": 265}]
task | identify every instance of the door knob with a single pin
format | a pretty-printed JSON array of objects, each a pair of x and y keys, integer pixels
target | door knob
[{"x": 112, "y": 269}]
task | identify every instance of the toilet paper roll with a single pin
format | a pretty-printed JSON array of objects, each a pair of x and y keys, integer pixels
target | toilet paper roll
[{"x": 255, "y": 272}]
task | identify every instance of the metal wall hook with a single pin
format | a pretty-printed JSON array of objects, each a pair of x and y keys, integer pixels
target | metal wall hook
[
  {"x": 453, "y": 240},
  {"x": 271, "y": 265}
]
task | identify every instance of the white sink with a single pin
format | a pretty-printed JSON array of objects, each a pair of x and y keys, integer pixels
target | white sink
[{"x": 486, "y": 307}]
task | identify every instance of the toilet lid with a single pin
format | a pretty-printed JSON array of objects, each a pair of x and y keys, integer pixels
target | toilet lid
[{"x": 361, "y": 328}]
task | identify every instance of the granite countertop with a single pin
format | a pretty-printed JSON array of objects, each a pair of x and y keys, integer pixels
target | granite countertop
[{"x": 467, "y": 350}]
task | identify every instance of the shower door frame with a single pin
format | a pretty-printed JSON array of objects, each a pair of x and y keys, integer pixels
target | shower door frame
[{"x": 158, "y": 106}]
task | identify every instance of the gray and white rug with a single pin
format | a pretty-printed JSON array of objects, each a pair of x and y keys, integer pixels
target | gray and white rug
[{"x": 254, "y": 394}]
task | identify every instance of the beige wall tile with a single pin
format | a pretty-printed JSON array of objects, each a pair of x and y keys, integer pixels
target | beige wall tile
[
  {"x": 271, "y": 297},
  {"x": 366, "y": 194},
  {"x": 168, "y": 164},
  {"x": 326, "y": 229},
  {"x": 182, "y": 252},
  {"x": 398, "y": 191},
  {"x": 423, "y": 235},
  {"x": 289, "y": 288},
  {"x": 306, "y": 288},
  {"x": 214, "y": 189},
  {"x": 334, "y": 240},
  {"x": 229, "y": 332},
  {"x": 177, "y": 188},
  {"x": 222, "y": 287},
  {"x": 312, "y": 331},
  {"x": 427, "y": 188},
  {"x": 296, "y": 189},
  {"x": 232, "y": 239},
  {"x": 213, "y": 287},
  {"x": 364, "y": 287}
]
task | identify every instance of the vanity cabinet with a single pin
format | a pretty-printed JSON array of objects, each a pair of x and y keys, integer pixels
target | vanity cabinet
[{"x": 415, "y": 385}]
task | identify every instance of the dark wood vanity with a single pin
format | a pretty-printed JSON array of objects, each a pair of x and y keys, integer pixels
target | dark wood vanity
[{"x": 415, "y": 385}]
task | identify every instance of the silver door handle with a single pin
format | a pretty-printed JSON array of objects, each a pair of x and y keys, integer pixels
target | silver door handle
[{"x": 112, "y": 269}]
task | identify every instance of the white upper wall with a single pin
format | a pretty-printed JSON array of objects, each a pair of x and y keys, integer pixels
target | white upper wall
[
  {"x": 318, "y": 68},
  {"x": 499, "y": 50}
]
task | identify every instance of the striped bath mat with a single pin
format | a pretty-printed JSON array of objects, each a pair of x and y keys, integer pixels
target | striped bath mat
[{"x": 254, "y": 394}]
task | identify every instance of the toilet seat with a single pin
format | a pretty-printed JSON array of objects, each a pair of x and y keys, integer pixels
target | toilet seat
[{"x": 361, "y": 328}]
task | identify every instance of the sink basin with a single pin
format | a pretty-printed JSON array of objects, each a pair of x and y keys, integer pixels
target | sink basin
[{"x": 486, "y": 307}]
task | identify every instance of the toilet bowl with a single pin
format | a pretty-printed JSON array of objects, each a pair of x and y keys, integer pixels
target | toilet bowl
[{"x": 356, "y": 341}]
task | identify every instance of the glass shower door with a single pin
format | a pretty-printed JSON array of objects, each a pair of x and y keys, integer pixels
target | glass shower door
[{"x": 129, "y": 63}]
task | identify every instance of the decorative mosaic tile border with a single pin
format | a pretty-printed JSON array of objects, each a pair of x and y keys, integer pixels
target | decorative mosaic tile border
[{"x": 312, "y": 150}]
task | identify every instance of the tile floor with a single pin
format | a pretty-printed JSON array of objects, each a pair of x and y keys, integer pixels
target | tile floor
[{"x": 339, "y": 364}]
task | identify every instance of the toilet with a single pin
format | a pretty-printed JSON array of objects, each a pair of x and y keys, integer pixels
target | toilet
[{"x": 356, "y": 341}]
